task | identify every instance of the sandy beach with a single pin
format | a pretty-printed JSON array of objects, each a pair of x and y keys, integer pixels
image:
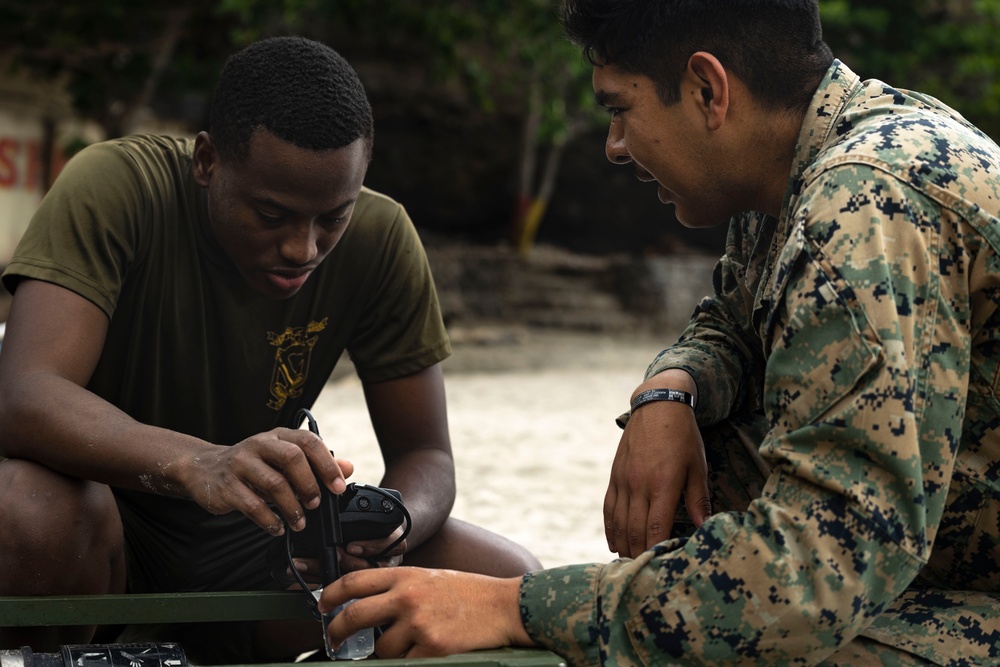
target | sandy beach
[{"x": 531, "y": 416}]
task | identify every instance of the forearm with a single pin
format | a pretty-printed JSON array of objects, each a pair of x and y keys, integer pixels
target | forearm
[
  {"x": 708, "y": 604},
  {"x": 53, "y": 343},
  {"x": 411, "y": 424},
  {"x": 717, "y": 348},
  {"x": 52, "y": 421},
  {"x": 426, "y": 480}
]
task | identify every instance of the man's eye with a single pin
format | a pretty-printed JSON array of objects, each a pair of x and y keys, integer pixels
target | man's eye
[
  {"x": 333, "y": 223},
  {"x": 268, "y": 218},
  {"x": 613, "y": 111},
  {"x": 335, "y": 220}
]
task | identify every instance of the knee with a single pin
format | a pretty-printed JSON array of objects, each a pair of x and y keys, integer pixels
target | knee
[
  {"x": 513, "y": 561},
  {"x": 469, "y": 548},
  {"x": 52, "y": 520}
]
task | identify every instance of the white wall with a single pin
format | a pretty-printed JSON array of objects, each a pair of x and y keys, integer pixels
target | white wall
[
  {"x": 27, "y": 107},
  {"x": 21, "y": 184}
]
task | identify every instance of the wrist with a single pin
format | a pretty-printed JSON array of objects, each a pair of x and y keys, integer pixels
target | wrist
[
  {"x": 184, "y": 477},
  {"x": 676, "y": 379},
  {"x": 509, "y": 601}
]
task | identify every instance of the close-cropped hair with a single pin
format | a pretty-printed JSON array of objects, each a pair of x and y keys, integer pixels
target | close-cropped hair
[
  {"x": 299, "y": 90},
  {"x": 775, "y": 47}
]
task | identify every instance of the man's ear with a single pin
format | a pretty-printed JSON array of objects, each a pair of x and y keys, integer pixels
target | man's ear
[
  {"x": 203, "y": 159},
  {"x": 705, "y": 71}
]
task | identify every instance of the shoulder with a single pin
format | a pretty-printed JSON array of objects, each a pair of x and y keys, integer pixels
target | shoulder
[
  {"x": 377, "y": 206},
  {"x": 381, "y": 221},
  {"x": 140, "y": 150},
  {"x": 910, "y": 137},
  {"x": 140, "y": 161}
]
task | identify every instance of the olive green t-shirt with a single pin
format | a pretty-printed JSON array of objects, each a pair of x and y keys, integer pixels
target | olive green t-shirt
[{"x": 190, "y": 346}]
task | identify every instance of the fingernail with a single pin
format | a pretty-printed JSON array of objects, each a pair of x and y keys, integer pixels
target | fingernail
[
  {"x": 339, "y": 485},
  {"x": 355, "y": 550},
  {"x": 301, "y": 566},
  {"x": 312, "y": 503}
]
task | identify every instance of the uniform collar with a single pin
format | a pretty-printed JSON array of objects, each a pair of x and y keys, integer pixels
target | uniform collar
[
  {"x": 818, "y": 124},
  {"x": 763, "y": 236}
]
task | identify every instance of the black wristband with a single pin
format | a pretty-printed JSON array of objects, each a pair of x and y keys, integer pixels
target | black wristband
[{"x": 651, "y": 395}]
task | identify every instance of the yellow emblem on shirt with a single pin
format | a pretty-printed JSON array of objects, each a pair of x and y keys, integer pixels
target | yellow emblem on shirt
[{"x": 291, "y": 361}]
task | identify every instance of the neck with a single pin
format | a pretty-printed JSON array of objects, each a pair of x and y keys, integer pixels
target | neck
[{"x": 774, "y": 145}]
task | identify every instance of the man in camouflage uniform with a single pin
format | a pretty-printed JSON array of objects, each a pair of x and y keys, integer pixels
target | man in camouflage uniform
[{"x": 846, "y": 369}]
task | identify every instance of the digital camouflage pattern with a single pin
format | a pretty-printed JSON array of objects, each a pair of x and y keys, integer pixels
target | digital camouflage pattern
[{"x": 863, "y": 327}]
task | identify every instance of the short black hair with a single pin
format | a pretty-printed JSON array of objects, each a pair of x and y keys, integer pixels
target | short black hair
[
  {"x": 775, "y": 47},
  {"x": 299, "y": 90}
]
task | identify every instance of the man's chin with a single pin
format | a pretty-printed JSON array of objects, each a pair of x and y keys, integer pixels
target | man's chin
[
  {"x": 269, "y": 290},
  {"x": 696, "y": 221}
]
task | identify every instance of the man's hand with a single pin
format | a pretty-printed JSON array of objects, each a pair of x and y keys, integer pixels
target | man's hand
[
  {"x": 661, "y": 457},
  {"x": 356, "y": 555},
  {"x": 282, "y": 467},
  {"x": 427, "y": 612}
]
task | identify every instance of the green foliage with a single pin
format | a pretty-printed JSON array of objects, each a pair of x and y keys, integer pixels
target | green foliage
[
  {"x": 945, "y": 48},
  {"x": 527, "y": 39},
  {"x": 495, "y": 49},
  {"x": 107, "y": 51}
]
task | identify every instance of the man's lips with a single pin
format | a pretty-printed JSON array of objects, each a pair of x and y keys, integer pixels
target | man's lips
[
  {"x": 288, "y": 280},
  {"x": 666, "y": 197},
  {"x": 644, "y": 175}
]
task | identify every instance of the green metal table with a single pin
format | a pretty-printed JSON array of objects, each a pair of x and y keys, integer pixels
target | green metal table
[{"x": 234, "y": 606}]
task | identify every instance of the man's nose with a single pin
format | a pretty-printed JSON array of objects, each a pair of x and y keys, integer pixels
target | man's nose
[
  {"x": 614, "y": 147},
  {"x": 299, "y": 245}
]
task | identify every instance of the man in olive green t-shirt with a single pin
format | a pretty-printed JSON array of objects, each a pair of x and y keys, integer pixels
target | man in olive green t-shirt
[{"x": 176, "y": 303}]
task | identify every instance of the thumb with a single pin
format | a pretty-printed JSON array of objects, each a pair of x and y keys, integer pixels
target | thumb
[{"x": 698, "y": 501}]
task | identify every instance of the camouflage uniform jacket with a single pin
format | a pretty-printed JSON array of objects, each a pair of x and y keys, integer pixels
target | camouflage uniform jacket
[{"x": 864, "y": 324}]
